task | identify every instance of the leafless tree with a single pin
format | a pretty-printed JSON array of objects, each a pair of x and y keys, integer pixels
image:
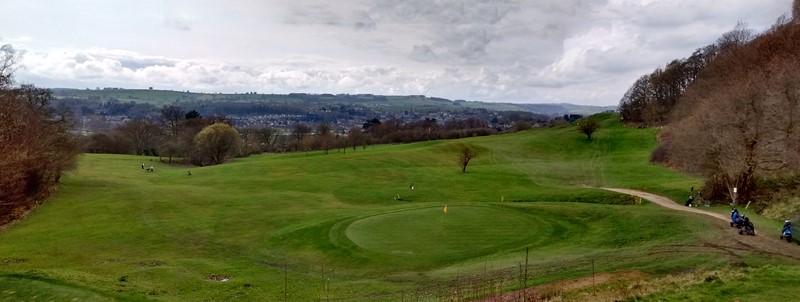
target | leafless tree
[
  {"x": 299, "y": 132},
  {"x": 355, "y": 137},
  {"x": 8, "y": 64},
  {"x": 35, "y": 143},
  {"x": 796, "y": 12},
  {"x": 143, "y": 134},
  {"x": 740, "y": 121},
  {"x": 588, "y": 126},
  {"x": 738, "y": 36},
  {"x": 325, "y": 139},
  {"x": 172, "y": 118},
  {"x": 466, "y": 153}
]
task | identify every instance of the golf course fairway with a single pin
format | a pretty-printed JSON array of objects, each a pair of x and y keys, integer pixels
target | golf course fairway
[{"x": 346, "y": 226}]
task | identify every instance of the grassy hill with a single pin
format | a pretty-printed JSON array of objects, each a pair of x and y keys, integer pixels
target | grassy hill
[{"x": 348, "y": 226}]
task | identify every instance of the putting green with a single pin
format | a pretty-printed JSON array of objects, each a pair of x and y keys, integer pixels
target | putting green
[{"x": 464, "y": 230}]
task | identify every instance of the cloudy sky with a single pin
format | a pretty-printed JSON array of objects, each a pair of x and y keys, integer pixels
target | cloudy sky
[{"x": 532, "y": 51}]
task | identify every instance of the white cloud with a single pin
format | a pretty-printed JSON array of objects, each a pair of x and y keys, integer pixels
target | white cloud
[{"x": 580, "y": 51}]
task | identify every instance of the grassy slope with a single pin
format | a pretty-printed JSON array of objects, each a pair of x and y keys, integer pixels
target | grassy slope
[{"x": 114, "y": 231}]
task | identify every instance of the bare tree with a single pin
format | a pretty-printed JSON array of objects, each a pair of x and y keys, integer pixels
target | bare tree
[
  {"x": 325, "y": 139},
  {"x": 35, "y": 143},
  {"x": 299, "y": 132},
  {"x": 268, "y": 138},
  {"x": 171, "y": 117},
  {"x": 466, "y": 153},
  {"x": 355, "y": 137},
  {"x": 8, "y": 64},
  {"x": 740, "y": 121},
  {"x": 796, "y": 12},
  {"x": 737, "y": 37},
  {"x": 143, "y": 134},
  {"x": 588, "y": 126}
]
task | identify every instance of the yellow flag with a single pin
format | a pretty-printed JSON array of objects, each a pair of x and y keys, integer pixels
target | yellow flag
[{"x": 445, "y": 208}]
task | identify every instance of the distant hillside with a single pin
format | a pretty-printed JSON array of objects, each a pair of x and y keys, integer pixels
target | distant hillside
[{"x": 385, "y": 103}]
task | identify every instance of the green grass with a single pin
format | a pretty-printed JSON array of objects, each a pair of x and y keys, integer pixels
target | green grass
[{"x": 113, "y": 231}]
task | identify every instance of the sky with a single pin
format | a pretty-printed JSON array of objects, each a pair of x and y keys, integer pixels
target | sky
[{"x": 521, "y": 51}]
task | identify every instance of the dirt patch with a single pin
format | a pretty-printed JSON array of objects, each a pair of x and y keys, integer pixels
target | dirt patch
[
  {"x": 151, "y": 263},
  {"x": 218, "y": 278},
  {"x": 8, "y": 261}
]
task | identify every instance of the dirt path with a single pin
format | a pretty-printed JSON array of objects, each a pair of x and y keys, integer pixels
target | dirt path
[
  {"x": 666, "y": 202},
  {"x": 763, "y": 243}
]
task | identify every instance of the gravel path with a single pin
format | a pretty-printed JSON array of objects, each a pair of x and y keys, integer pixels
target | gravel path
[
  {"x": 765, "y": 241},
  {"x": 667, "y": 203}
]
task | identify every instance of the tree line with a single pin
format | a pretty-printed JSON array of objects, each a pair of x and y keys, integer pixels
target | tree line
[
  {"x": 36, "y": 145},
  {"x": 731, "y": 112},
  {"x": 178, "y": 135}
]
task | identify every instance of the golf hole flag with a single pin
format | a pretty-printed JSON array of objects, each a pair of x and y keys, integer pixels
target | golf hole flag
[{"x": 445, "y": 208}]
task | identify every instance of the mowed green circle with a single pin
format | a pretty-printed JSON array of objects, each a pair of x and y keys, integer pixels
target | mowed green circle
[{"x": 428, "y": 232}]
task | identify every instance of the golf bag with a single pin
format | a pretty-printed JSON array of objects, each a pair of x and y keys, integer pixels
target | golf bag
[
  {"x": 786, "y": 233},
  {"x": 747, "y": 227}
]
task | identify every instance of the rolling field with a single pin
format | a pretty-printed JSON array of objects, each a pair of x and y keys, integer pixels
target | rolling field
[{"x": 348, "y": 227}]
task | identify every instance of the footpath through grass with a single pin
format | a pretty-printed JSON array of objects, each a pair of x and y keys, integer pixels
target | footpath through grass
[{"x": 347, "y": 225}]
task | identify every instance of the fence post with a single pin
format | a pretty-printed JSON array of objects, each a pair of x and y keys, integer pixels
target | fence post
[
  {"x": 526, "y": 267},
  {"x": 285, "y": 282}
]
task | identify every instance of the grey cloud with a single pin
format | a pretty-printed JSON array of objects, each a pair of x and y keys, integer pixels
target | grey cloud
[
  {"x": 139, "y": 63},
  {"x": 305, "y": 13},
  {"x": 423, "y": 53},
  {"x": 363, "y": 21},
  {"x": 445, "y": 11},
  {"x": 468, "y": 43}
]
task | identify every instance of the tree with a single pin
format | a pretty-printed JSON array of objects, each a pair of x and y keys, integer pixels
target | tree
[
  {"x": 588, "y": 126},
  {"x": 355, "y": 137},
  {"x": 739, "y": 121},
  {"x": 8, "y": 64},
  {"x": 796, "y": 12},
  {"x": 325, "y": 139},
  {"x": 112, "y": 142},
  {"x": 35, "y": 142},
  {"x": 466, "y": 153},
  {"x": 143, "y": 134},
  {"x": 521, "y": 126},
  {"x": 299, "y": 132},
  {"x": 171, "y": 117},
  {"x": 268, "y": 137},
  {"x": 739, "y": 36},
  {"x": 193, "y": 115},
  {"x": 215, "y": 142}
]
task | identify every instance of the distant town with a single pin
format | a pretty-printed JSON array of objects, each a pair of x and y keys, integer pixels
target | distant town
[{"x": 98, "y": 110}]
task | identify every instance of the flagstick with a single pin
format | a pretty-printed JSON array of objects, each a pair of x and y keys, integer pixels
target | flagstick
[{"x": 444, "y": 213}]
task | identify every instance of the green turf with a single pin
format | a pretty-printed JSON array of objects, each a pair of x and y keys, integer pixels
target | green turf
[
  {"x": 275, "y": 220},
  {"x": 429, "y": 232}
]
